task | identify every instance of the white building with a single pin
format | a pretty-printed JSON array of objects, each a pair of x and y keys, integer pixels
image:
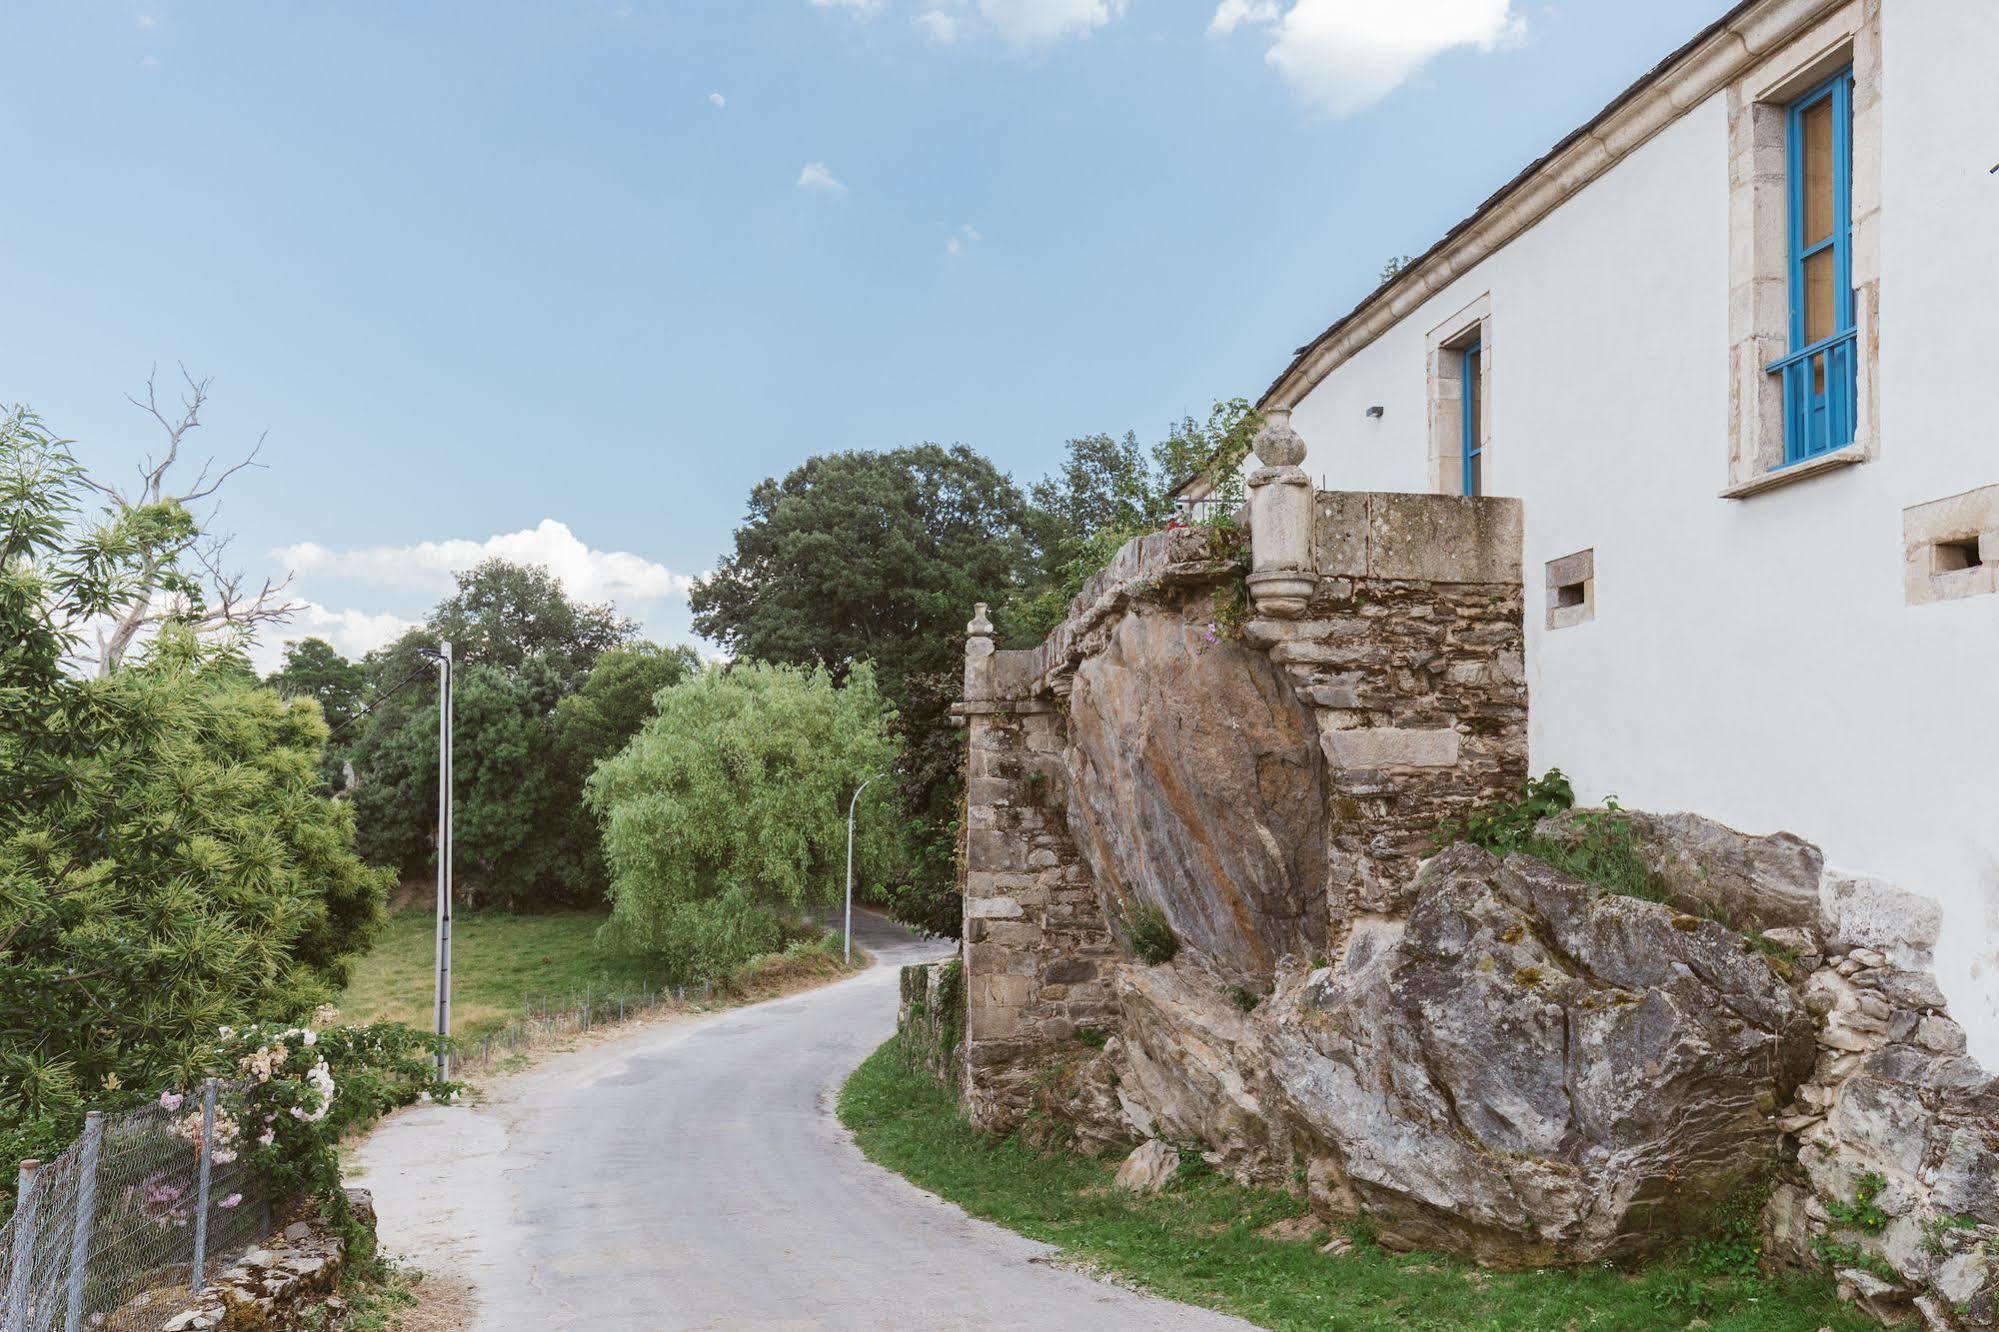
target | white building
[{"x": 1771, "y": 605}]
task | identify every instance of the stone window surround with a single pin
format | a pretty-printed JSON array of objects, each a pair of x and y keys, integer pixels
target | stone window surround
[
  {"x": 1967, "y": 520},
  {"x": 1759, "y": 244},
  {"x": 1446, "y": 396},
  {"x": 1567, "y": 572}
]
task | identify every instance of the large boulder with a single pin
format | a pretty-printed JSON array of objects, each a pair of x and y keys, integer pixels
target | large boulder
[
  {"x": 1753, "y": 883},
  {"x": 1191, "y": 1069},
  {"x": 1529, "y": 1072},
  {"x": 1197, "y": 788}
]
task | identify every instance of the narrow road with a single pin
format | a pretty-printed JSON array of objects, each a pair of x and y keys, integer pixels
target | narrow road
[{"x": 693, "y": 1175}]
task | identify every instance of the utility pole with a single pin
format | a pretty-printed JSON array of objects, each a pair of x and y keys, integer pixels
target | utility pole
[
  {"x": 443, "y": 1014},
  {"x": 849, "y": 945}
]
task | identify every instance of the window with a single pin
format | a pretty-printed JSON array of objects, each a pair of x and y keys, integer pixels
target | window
[
  {"x": 1471, "y": 439},
  {"x": 1819, "y": 372}
]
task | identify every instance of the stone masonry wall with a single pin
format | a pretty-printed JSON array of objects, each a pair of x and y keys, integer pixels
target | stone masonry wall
[{"x": 1152, "y": 753}]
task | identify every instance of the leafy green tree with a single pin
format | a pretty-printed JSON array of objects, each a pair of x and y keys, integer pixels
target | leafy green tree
[
  {"x": 167, "y": 864},
  {"x": 523, "y": 647},
  {"x": 879, "y": 557},
  {"x": 314, "y": 669},
  {"x": 725, "y": 817}
]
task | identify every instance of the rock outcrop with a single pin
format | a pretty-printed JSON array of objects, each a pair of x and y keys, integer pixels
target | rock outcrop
[
  {"x": 1195, "y": 788},
  {"x": 1710, "y": 869},
  {"x": 1530, "y": 1072}
]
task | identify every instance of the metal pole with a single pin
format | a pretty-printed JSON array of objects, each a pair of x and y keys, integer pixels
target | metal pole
[
  {"x": 848, "y": 945},
  {"x": 86, "y": 1207},
  {"x": 195, "y": 1282},
  {"x": 444, "y": 782},
  {"x": 27, "y": 1201}
]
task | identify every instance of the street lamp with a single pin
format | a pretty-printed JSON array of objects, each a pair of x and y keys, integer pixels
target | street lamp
[{"x": 849, "y": 946}]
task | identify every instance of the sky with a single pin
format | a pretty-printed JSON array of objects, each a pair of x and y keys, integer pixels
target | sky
[{"x": 563, "y": 281}]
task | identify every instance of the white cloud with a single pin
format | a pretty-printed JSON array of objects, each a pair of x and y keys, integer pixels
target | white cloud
[
  {"x": 590, "y": 575},
  {"x": 1233, "y": 14},
  {"x": 717, "y": 101},
  {"x": 815, "y": 177},
  {"x": 149, "y": 62},
  {"x": 938, "y": 28},
  {"x": 1342, "y": 56},
  {"x": 1024, "y": 24},
  {"x": 963, "y": 236},
  {"x": 147, "y": 22},
  {"x": 419, "y": 575}
]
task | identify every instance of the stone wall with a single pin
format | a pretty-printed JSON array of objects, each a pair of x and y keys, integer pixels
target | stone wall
[{"x": 1257, "y": 775}]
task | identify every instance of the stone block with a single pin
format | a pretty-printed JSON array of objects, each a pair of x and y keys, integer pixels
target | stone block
[
  {"x": 1860, "y": 912},
  {"x": 1444, "y": 538},
  {"x": 992, "y": 908},
  {"x": 1391, "y": 747}
]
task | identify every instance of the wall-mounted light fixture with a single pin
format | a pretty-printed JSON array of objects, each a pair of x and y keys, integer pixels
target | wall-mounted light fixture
[{"x": 1374, "y": 412}]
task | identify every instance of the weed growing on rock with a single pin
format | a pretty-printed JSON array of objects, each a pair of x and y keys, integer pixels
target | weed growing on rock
[
  {"x": 1152, "y": 940},
  {"x": 1862, "y": 1213},
  {"x": 1597, "y": 846}
]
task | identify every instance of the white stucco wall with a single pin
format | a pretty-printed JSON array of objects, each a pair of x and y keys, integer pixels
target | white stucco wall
[{"x": 1750, "y": 660}]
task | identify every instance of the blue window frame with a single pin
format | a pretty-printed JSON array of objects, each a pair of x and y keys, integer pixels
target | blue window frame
[
  {"x": 1471, "y": 430},
  {"x": 1819, "y": 371}
]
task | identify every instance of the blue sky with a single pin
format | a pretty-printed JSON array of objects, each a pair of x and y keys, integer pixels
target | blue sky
[{"x": 565, "y": 280}]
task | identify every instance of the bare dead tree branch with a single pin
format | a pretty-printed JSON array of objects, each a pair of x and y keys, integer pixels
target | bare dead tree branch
[{"x": 226, "y": 605}]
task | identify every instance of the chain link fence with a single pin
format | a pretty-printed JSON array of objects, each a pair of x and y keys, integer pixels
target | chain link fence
[{"x": 120, "y": 1231}]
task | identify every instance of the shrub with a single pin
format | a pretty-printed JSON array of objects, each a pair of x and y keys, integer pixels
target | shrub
[
  {"x": 1152, "y": 940},
  {"x": 1596, "y": 846}
]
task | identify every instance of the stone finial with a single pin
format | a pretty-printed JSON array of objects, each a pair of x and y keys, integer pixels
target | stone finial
[
  {"x": 1280, "y": 521},
  {"x": 978, "y": 656},
  {"x": 1277, "y": 444}
]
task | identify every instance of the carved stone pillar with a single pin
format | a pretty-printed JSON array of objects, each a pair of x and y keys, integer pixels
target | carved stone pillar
[
  {"x": 1281, "y": 576},
  {"x": 978, "y": 656}
]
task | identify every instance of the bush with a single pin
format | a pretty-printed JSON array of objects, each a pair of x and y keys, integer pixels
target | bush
[
  {"x": 1152, "y": 940},
  {"x": 1596, "y": 846},
  {"x": 726, "y": 816}
]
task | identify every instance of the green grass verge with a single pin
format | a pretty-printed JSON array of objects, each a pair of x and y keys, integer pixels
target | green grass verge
[
  {"x": 1199, "y": 1242},
  {"x": 498, "y": 962}
]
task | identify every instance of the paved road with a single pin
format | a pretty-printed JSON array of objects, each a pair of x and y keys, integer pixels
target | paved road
[{"x": 692, "y": 1175}]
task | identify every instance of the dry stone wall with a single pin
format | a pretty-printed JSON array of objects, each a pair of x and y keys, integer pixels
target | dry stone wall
[{"x": 1257, "y": 782}]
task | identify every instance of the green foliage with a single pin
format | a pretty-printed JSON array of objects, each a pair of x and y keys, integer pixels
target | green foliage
[
  {"x": 1244, "y": 999},
  {"x": 1505, "y": 826},
  {"x": 296, "y": 1090},
  {"x": 167, "y": 863},
  {"x": 725, "y": 818},
  {"x": 1209, "y": 1241},
  {"x": 545, "y": 688},
  {"x": 1596, "y": 846},
  {"x": 879, "y": 557},
  {"x": 1861, "y": 1213},
  {"x": 314, "y": 669},
  {"x": 1151, "y": 934}
]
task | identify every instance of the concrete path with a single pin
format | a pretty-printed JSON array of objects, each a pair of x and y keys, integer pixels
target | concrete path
[{"x": 693, "y": 1175}]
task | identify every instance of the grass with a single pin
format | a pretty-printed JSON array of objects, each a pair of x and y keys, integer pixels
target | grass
[
  {"x": 1200, "y": 1242},
  {"x": 498, "y": 962}
]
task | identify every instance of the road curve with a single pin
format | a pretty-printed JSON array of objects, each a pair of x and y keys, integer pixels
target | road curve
[{"x": 692, "y": 1175}]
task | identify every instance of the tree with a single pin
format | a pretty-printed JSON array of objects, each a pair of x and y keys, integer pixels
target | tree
[
  {"x": 725, "y": 817},
  {"x": 879, "y": 557},
  {"x": 504, "y": 614},
  {"x": 182, "y": 577},
  {"x": 524, "y": 648},
  {"x": 166, "y": 862},
  {"x": 866, "y": 557},
  {"x": 314, "y": 669}
]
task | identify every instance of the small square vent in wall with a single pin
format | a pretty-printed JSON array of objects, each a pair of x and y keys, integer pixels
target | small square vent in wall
[
  {"x": 1572, "y": 589},
  {"x": 1950, "y": 547}
]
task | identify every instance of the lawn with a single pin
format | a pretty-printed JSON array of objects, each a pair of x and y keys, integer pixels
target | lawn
[
  {"x": 1199, "y": 1242},
  {"x": 498, "y": 963}
]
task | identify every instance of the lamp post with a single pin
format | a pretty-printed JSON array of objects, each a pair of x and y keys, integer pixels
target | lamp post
[
  {"x": 444, "y": 781},
  {"x": 849, "y": 945}
]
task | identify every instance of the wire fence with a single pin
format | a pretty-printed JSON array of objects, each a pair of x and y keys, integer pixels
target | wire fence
[
  {"x": 544, "y": 1022},
  {"x": 124, "y": 1228}
]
